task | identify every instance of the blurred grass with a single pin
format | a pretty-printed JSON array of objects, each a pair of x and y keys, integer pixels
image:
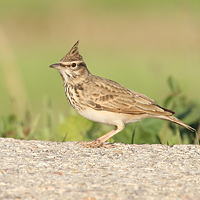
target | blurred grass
[{"x": 146, "y": 41}]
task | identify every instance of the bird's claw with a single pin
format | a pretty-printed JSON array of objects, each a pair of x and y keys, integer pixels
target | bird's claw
[{"x": 95, "y": 144}]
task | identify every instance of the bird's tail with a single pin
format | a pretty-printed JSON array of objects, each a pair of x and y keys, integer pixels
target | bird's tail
[{"x": 175, "y": 120}]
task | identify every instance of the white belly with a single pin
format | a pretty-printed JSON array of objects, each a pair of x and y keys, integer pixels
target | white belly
[{"x": 110, "y": 118}]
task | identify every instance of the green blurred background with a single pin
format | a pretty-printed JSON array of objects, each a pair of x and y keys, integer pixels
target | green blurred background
[{"x": 136, "y": 43}]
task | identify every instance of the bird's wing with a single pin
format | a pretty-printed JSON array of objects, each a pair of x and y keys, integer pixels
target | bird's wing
[{"x": 110, "y": 96}]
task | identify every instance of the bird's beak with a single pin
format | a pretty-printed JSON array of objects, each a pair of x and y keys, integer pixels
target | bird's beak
[{"x": 55, "y": 66}]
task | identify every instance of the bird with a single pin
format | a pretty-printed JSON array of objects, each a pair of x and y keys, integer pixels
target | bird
[{"x": 105, "y": 101}]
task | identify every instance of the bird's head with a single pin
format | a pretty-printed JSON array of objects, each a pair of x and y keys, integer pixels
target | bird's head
[{"x": 71, "y": 67}]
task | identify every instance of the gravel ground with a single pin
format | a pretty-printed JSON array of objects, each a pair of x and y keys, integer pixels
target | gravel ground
[{"x": 54, "y": 170}]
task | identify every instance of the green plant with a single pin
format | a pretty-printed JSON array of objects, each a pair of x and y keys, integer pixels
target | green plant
[{"x": 169, "y": 133}]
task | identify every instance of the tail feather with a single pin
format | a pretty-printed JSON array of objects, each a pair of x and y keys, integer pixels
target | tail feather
[{"x": 177, "y": 121}]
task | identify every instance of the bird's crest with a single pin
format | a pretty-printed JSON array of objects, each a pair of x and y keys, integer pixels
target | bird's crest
[{"x": 73, "y": 54}]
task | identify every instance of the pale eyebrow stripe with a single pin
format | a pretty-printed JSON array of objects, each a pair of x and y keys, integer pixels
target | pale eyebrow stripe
[{"x": 69, "y": 63}]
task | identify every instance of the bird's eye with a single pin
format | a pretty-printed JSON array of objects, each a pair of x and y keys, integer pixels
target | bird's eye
[{"x": 73, "y": 64}]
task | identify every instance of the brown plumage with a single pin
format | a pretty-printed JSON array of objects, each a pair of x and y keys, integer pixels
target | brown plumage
[{"x": 106, "y": 101}]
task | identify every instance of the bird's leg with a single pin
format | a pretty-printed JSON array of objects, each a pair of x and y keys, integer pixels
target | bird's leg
[
  {"x": 100, "y": 141},
  {"x": 108, "y": 135}
]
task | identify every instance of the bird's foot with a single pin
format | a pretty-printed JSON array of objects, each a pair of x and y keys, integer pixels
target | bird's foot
[{"x": 95, "y": 144}]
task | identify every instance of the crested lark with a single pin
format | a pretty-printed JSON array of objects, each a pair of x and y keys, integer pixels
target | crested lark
[{"x": 105, "y": 101}]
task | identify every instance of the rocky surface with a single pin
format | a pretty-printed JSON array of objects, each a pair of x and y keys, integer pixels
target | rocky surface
[{"x": 54, "y": 170}]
